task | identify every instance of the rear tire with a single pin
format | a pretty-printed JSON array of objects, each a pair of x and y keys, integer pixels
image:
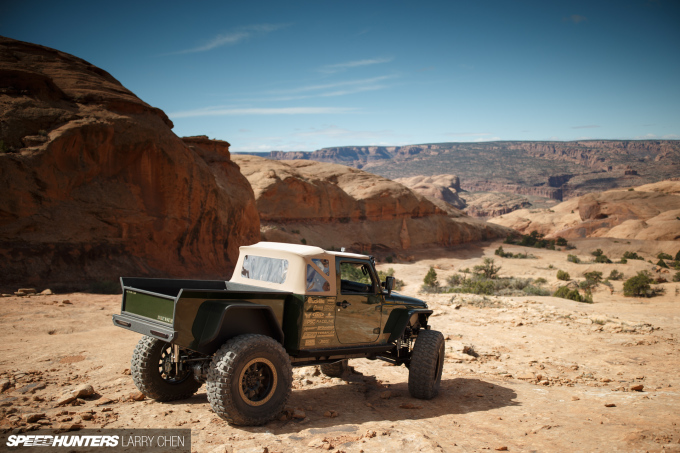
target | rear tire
[
  {"x": 250, "y": 380},
  {"x": 335, "y": 369},
  {"x": 154, "y": 374},
  {"x": 427, "y": 363}
]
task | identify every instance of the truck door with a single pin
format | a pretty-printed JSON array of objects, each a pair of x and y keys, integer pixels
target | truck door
[{"x": 359, "y": 302}]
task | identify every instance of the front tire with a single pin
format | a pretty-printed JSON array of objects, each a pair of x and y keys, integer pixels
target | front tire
[
  {"x": 154, "y": 373},
  {"x": 250, "y": 380},
  {"x": 427, "y": 363}
]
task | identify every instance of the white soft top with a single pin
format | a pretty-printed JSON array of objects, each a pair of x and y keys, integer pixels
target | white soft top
[{"x": 296, "y": 276}]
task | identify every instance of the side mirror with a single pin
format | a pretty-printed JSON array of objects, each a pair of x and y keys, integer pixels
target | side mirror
[{"x": 389, "y": 284}]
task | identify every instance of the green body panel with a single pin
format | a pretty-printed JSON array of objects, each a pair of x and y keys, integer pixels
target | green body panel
[
  {"x": 203, "y": 319},
  {"x": 149, "y": 306}
]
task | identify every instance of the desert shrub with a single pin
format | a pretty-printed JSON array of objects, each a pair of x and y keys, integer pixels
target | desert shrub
[
  {"x": 615, "y": 275},
  {"x": 503, "y": 254},
  {"x": 623, "y": 261},
  {"x": 303, "y": 240},
  {"x": 664, "y": 256},
  {"x": 676, "y": 277},
  {"x": 534, "y": 239},
  {"x": 573, "y": 259},
  {"x": 533, "y": 290},
  {"x": 560, "y": 241},
  {"x": 572, "y": 294},
  {"x": 631, "y": 189},
  {"x": 662, "y": 263},
  {"x": 638, "y": 286},
  {"x": 389, "y": 259},
  {"x": 398, "y": 284},
  {"x": 488, "y": 269},
  {"x": 295, "y": 231},
  {"x": 563, "y": 275},
  {"x": 677, "y": 255},
  {"x": 594, "y": 276},
  {"x": 454, "y": 280},
  {"x": 632, "y": 256},
  {"x": 540, "y": 281},
  {"x": 597, "y": 252},
  {"x": 430, "y": 283},
  {"x": 602, "y": 259}
]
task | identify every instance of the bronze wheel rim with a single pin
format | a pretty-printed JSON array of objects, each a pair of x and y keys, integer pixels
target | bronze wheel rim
[{"x": 257, "y": 382}]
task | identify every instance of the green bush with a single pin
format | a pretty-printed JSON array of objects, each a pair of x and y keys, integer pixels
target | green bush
[
  {"x": 594, "y": 276},
  {"x": 303, "y": 240},
  {"x": 560, "y": 241},
  {"x": 454, "y": 280},
  {"x": 488, "y": 269},
  {"x": 662, "y": 263},
  {"x": 638, "y": 286},
  {"x": 632, "y": 256},
  {"x": 597, "y": 252},
  {"x": 623, "y": 261},
  {"x": 533, "y": 290},
  {"x": 430, "y": 279},
  {"x": 664, "y": 256},
  {"x": 389, "y": 259},
  {"x": 602, "y": 259},
  {"x": 676, "y": 277},
  {"x": 677, "y": 256},
  {"x": 562, "y": 275},
  {"x": 572, "y": 294},
  {"x": 615, "y": 275},
  {"x": 573, "y": 259},
  {"x": 540, "y": 281},
  {"x": 398, "y": 284}
]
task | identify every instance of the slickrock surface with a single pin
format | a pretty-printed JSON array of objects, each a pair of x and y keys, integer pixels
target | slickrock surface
[
  {"x": 332, "y": 205},
  {"x": 96, "y": 185},
  {"x": 545, "y": 376},
  {"x": 650, "y": 212}
]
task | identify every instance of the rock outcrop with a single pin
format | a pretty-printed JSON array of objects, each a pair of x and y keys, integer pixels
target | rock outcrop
[
  {"x": 651, "y": 212},
  {"x": 332, "y": 205},
  {"x": 97, "y": 186},
  {"x": 441, "y": 187}
]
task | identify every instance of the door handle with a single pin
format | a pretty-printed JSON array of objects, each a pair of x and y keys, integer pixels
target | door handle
[{"x": 343, "y": 304}]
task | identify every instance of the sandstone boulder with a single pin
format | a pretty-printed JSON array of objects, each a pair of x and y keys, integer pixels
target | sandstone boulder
[
  {"x": 107, "y": 189},
  {"x": 650, "y": 212}
]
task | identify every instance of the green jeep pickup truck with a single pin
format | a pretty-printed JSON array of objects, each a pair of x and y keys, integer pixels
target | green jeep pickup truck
[{"x": 286, "y": 305}]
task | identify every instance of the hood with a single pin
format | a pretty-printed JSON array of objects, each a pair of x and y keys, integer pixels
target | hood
[{"x": 406, "y": 300}]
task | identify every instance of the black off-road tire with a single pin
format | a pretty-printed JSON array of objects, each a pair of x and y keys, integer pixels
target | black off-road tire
[
  {"x": 145, "y": 368},
  {"x": 335, "y": 369},
  {"x": 240, "y": 359},
  {"x": 427, "y": 363}
]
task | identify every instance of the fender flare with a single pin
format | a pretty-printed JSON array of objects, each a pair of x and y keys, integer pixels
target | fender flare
[
  {"x": 400, "y": 319},
  {"x": 218, "y": 321}
]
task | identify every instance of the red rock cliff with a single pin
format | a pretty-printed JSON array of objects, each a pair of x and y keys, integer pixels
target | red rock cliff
[{"x": 97, "y": 186}]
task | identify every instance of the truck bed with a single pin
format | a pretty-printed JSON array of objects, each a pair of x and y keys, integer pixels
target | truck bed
[{"x": 150, "y": 306}]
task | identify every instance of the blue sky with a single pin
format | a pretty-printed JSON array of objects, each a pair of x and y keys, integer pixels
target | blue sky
[{"x": 289, "y": 75}]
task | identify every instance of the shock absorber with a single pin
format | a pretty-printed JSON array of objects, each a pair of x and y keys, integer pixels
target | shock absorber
[{"x": 176, "y": 359}]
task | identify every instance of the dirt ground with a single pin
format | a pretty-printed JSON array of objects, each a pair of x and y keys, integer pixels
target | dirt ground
[{"x": 545, "y": 374}]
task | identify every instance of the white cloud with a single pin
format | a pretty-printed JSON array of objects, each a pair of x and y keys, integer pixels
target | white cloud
[
  {"x": 331, "y": 68},
  {"x": 219, "y": 111},
  {"x": 233, "y": 37}
]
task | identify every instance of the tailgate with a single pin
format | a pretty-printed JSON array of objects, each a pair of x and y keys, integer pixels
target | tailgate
[{"x": 147, "y": 313}]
